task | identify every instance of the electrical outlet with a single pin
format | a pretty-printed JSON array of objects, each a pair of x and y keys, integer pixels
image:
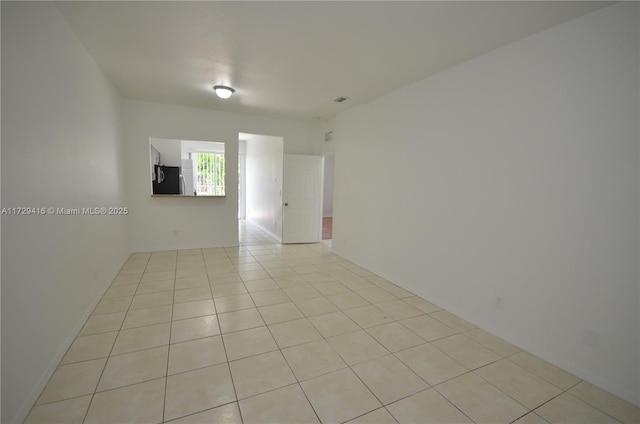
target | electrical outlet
[{"x": 500, "y": 302}]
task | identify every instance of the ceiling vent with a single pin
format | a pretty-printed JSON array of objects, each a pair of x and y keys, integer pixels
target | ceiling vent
[{"x": 340, "y": 99}]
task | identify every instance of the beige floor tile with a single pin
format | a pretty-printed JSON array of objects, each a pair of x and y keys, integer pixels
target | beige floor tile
[
  {"x": 127, "y": 278},
  {"x": 480, "y": 401},
  {"x": 270, "y": 297},
  {"x": 152, "y": 299},
  {"x": 317, "y": 277},
  {"x": 194, "y": 328},
  {"x": 285, "y": 405},
  {"x": 233, "y": 303},
  {"x": 606, "y": 402},
  {"x": 193, "y": 391},
  {"x": 189, "y": 282},
  {"x": 339, "y": 396},
  {"x": 228, "y": 289},
  {"x": 212, "y": 271},
  {"x": 394, "y": 336},
  {"x": 389, "y": 379},
  {"x": 376, "y": 295},
  {"x": 424, "y": 305},
  {"x": 348, "y": 300},
  {"x": 142, "y": 338},
  {"x": 281, "y": 312},
  {"x": 280, "y": 272},
  {"x": 397, "y": 291},
  {"x": 70, "y": 411},
  {"x": 334, "y": 324},
  {"x": 194, "y": 354},
  {"x": 452, "y": 321},
  {"x": 315, "y": 306},
  {"x": 379, "y": 416},
  {"x": 225, "y": 414},
  {"x": 357, "y": 347},
  {"x": 135, "y": 367},
  {"x": 121, "y": 290},
  {"x": 113, "y": 304},
  {"x": 492, "y": 342},
  {"x": 295, "y": 332},
  {"x": 232, "y": 277},
  {"x": 399, "y": 309},
  {"x": 245, "y": 343},
  {"x": 428, "y": 328},
  {"x": 158, "y": 276},
  {"x": 330, "y": 288},
  {"x": 431, "y": 363},
  {"x": 464, "y": 350},
  {"x": 260, "y": 285},
  {"x": 196, "y": 293},
  {"x": 260, "y": 373},
  {"x": 343, "y": 274},
  {"x": 358, "y": 284},
  {"x": 568, "y": 409},
  {"x": 253, "y": 275},
  {"x": 103, "y": 323},
  {"x": 240, "y": 320},
  {"x": 147, "y": 316},
  {"x": 140, "y": 403},
  {"x": 545, "y": 370},
  {"x": 164, "y": 255},
  {"x": 73, "y": 380},
  {"x": 90, "y": 347},
  {"x": 427, "y": 406},
  {"x": 160, "y": 266},
  {"x": 156, "y": 286},
  {"x": 300, "y": 292},
  {"x": 289, "y": 281},
  {"x": 305, "y": 269},
  {"x": 196, "y": 308},
  {"x": 368, "y": 316},
  {"x": 192, "y": 274},
  {"x": 531, "y": 418},
  {"x": 312, "y": 359},
  {"x": 523, "y": 386}
]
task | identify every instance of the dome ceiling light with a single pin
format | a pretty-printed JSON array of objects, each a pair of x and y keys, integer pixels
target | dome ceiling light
[{"x": 223, "y": 91}]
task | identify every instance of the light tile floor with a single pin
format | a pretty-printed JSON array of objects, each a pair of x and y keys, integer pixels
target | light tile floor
[{"x": 266, "y": 333}]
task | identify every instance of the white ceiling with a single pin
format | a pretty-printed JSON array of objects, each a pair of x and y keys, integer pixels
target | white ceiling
[{"x": 291, "y": 59}]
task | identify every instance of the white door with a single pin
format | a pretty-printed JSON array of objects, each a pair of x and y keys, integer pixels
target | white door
[{"x": 302, "y": 199}]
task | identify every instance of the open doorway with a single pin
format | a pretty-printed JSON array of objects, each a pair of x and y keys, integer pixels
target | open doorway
[
  {"x": 260, "y": 159},
  {"x": 327, "y": 197}
]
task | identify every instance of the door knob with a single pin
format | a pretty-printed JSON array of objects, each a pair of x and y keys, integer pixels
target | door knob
[{"x": 286, "y": 204}]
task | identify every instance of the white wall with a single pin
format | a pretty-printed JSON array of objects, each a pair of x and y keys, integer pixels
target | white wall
[
  {"x": 327, "y": 188},
  {"x": 170, "y": 151},
  {"x": 512, "y": 175},
  {"x": 179, "y": 222},
  {"x": 61, "y": 147},
  {"x": 264, "y": 160}
]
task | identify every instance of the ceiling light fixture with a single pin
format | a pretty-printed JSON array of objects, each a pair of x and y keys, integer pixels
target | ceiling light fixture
[{"x": 223, "y": 91}]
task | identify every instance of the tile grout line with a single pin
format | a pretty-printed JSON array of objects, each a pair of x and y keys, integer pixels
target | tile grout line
[
  {"x": 95, "y": 390},
  {"x": 173, "y": 303}
]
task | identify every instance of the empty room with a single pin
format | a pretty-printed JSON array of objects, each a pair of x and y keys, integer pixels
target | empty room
[{"x": 167, "y": 167}]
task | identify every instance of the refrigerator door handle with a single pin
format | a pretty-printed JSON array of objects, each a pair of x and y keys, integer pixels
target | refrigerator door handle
[{"x": 160, "y": 175}]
